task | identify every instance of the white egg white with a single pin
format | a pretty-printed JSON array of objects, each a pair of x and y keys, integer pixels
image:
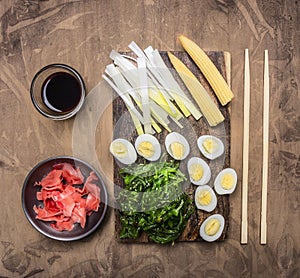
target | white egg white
[
  {"x": 156, "y": 145},
  {"x": 206, "y": 170},
  {"x": 214, "y": 155},
  {"x": 176, "y": 137},
  {"x": 212, "y": 205},
  {"x": 214, "y": 237},
  {"x": 131, "y": 155},
  {"x": 217, "y": 184}
]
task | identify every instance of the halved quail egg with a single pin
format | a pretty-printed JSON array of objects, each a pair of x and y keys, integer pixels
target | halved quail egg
[
  {"x": 205, "y": 198},
  {"x": 225, "y": 182},
  {"x": 199, "y": 171},
  {"x": 212, "y": 227},
  {"x": 148, "y": 147},
  {"x": 210, "y": 146},
  {"x": 177, "y": 146},
  {"x": 123, "y": 151}
]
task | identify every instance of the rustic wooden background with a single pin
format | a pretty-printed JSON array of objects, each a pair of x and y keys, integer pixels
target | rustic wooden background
[{"x": 82, "y": 34}]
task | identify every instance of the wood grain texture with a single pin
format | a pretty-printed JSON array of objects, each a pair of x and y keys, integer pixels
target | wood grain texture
[{"x": 82, "y": 34}]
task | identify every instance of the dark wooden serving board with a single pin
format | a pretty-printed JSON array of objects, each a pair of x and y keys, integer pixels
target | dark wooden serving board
[{"x": 123, "y": 128}]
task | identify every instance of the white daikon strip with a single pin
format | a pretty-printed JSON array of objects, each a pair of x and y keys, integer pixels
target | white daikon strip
[
  {"x": 163, "y": 80},
  {"x": 167, "y": 97},
  {"x": 158, "y": 110},
  {"x": 163, "y": 115},
  {"x": 140, "y": 53},
  {"x": 156, "y": 95},
  {"x": 136, "y": 122},
  {"x": 114, "y": 55},
  {"x": 137, "y": 50},
  {"x": 174, "y": 88},
  {"x": 135, "y": 119},
  {"x": 142, "y": 72},
  {"x": 160, "y": 120},
  {"x": 129, "y": 71},
  {"x": 132, "y": 78},
  {"x": 162, "y": 97},
  {"x": 148, "y": 51},
  {"x": 176, "y": 122},
  {"x": 127, "y": 100},
  {"x": 126, "y": 77},
  {"x": 117, "y": 77},
  {"x": 114, "y": 73}
]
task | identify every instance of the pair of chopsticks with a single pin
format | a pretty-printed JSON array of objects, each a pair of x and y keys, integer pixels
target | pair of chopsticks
[{"x": 263, "y": 223}]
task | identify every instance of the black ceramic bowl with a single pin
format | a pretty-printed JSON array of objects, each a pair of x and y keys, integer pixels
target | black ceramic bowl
[{"x": 29, "y": 200}]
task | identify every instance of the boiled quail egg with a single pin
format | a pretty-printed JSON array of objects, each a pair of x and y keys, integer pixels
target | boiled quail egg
[
  {"x": 199, "y": 171},
  {"x": 212, "y": 227},
  {"x": 177, "y": 146},
  {"x": 148, "y": 147},
  {"x": 210, "y": 146},
  {"x": 225, "y": 182},
  {"x": 205, "y": 198},
  {"x": 123, "y": 151}
]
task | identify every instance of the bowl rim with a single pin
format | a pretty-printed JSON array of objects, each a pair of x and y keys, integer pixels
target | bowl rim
[
  {"x": 49, "y": 235},
  {"x": 78, "y": 106}
]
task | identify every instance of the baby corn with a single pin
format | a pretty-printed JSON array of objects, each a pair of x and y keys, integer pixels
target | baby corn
[
  {"x": 208, "y": 69},
  {"x": 209, "y": 109}
]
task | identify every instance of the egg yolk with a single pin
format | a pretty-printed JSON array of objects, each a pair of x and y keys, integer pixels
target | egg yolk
[
  {"x": 196, "y": 172},
  {"x": 177, "y": 150},
  {"x": 212, "y": 227},
  {"x": 204, "y": 197},
  {"x": 146, "y": 149},
  {"x": 227, "y": 181},
  {"x": 119, "y": 149},
  {"x": 210, "y": 145}
]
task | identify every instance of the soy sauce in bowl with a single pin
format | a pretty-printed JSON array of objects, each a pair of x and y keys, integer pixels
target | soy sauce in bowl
[
  {"x": 61, "y": 92},
  {"x": 57, "y": 91}
]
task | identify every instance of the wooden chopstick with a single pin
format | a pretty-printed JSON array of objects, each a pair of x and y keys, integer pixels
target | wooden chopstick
[
  {"x": 263, "y": 223},
  {"x": 244, "y": 228}
]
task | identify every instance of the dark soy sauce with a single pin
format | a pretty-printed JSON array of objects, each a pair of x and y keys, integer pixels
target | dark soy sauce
[{"x": 61, "y": 92}]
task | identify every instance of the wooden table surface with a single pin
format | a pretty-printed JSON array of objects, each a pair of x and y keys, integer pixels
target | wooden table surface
[{"x": 82, "y": 34}]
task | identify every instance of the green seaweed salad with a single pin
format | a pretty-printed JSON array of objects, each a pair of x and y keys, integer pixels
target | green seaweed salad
[{"x": 153, "y": 201}]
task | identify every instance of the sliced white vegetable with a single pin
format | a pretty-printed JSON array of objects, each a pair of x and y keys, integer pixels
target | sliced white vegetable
[
  {"x": 172, "y": 86},
  {"x": 140, "y": 54},
  {"x": 132, "y": 78},
  {"x": 114, "y": 73},
  {"x": 127, "y": 100},
  {"x": 115, "y": 56},
  {"x": 137, "y": 50},
  {"x": 144, "y": 93},
  {"x": 148, "y": 51},
  {"x": 141, "y": 80}
]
